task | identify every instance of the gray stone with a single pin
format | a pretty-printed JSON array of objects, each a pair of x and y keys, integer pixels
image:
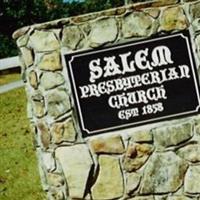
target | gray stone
[
  {"x": 132, "y": 182},
  {"x": 164, "y": 173},
  {"x": 44, "y": 133},
  {"x": 42, "y": 169},
  {"x": 72, "y": 35},
  {"x": 111, "y": 144},
  {"x": 57, "y": 32},
  {"x": 33, "y": 80},
  {"x": 142, "y": 136},
  {"x": 76, "y": 163},
  {"x": 88, "y": 197},
  {"x": 109, "y": 183},
  {"x": 50, "y": 62},
  {"x": 64, "y": 131},
  {"x": 23, "y": 40},
  {"x": 29, "y": 108},
  {"x": 98, "y": 37},
  {"x": 120, "y": 11},
  {"x": 198, "y": 42},
  {"x": 197, "y": 127},
  {"x": 192, "y": 180},
  {"x": 58, "y": 103},
  {"x": 164, "y": 2},
  {"x": 27, "y": 56},
  {"x": 39, "y": 109},
  {"x": 18, "y": 33},
  {"x": 180, "y": 191},
  {"x": 179, "y": 197},
  {"x": 149, "y": 197},
  {"x": 54, "y": 194},
  {"x": 55, "y": 180},
  {"x": 48, "y": 161},
  {"x": 84, "y": 44},
  {"x": 137, "y": 24},
  {"x": 196, "y": 25},
  {"x": 153, "y": 12},
  {"x": 160, "y": 197},
  {"x": 38, "y": 105},
  {"x": 23, "y": 67},
  {"x": 83, "y": 18},
  {"x": 136, "y": 156},
  {"x": 190, "y": 152},
  {"x": 51, "y": 80},
  {"x": 172, "y": 135},
  {"x": 173, "y": 18},
  {"x": 194, "y": 10},
  {"x": 86, "y": 28},
  {"x": 44, "y": 41}
]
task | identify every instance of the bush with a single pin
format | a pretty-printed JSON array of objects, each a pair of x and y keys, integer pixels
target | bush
[
  {"x": 8, "y": 46},
  {"x": 18, "y": 13}
]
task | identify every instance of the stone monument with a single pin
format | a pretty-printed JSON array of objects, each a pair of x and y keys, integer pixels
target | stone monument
[{"x": 113, "y": 102}]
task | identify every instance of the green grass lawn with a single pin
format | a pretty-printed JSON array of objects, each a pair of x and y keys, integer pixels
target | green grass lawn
[
  {"x": 19, "y": 176},
  {"x": 7, "y": 78}
]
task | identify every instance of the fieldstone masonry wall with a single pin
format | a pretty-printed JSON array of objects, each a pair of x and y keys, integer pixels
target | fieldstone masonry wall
[{"x": 155, "y": 162}]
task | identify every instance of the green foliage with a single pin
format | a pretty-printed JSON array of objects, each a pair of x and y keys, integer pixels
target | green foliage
[
  {"x": 76, "y": 8},
  {"x": 94, "y": 5},
  {"x": 18, "y": 13},
  {"x": 7, "y": 46}
]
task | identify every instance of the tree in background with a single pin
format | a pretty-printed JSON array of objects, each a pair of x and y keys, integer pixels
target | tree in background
[
  {"x": 86, "y": 6},
  {"x": 18, "y": 13}
]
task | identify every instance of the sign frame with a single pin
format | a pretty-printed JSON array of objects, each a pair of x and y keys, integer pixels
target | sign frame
[{"x": 68, "y": 64}]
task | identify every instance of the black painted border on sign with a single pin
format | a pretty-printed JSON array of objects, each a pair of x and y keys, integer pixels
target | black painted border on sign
[{"x": 69, "y": 57}]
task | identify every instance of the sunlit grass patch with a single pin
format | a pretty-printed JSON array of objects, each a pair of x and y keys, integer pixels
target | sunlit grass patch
[
  {"x": 19, "y": 176},
  {"x": 7, "y": 78}
]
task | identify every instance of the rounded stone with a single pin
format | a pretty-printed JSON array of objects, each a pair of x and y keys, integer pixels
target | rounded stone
[
  {"x": 51, "y": 80},
  {"x": 50, "y": 62},
  {"x": 55, "y": 179},
  {"x": 132, "y": 182},
  {"x": 58, "y": 102},
  {"x": 111, "y": 144},
  {"x": 167, "y": 136},
  {"x": 63, "y": 131},
  {"x": 137, "y": 24},
  {"x": 27, "y": 56},
  {"x": 44, "y": 134},
  {"x": 109, "y": 183},
  {"x": 44, "y": 41},
  {"x": 164, "y": 173},
  {"x": 136, "y": 156},
  {"x": 76, "y": 163},
  {"x": 190, "y": 152},
  {"x": 33, "y": 80},
  {"x": 72, "y": 35},
  {"x": 38, "y": 105},
  {"x": 194, "y": 10},
  {"x": 192, "y": 180},
  {"x": 98, "y": 37},
  {"x": 173, "y": 18}
]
